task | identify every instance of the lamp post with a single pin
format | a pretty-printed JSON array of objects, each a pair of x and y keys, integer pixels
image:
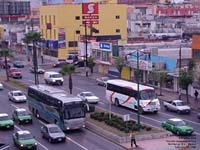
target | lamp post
[{"x": 86, "y": 61}]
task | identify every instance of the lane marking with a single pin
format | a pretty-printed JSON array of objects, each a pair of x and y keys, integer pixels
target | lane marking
[
  {"x": 76, "y": 143},
  {"x": 14, "y": 106}
]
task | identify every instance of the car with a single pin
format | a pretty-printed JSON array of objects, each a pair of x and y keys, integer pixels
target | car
[
  {"x": 17, "y": 96},
  {"x": 23, "y": 139},
  {"x": 1, "y": 86},
  {"x": 102, "y": 81},
  {"x": 88, "y": 97},
  {"x": 18, "y": 64},
  {"x": 52, "y": 77},
  {"x": 6, "y": 122},
  {"x": 39, "y": 70},
  {"x": 79, "y": 63},
  {"x": 3, "y": 65},
  {"x": 60, "y": 63},
  {"x": 20, "y": 115},
  {"x": 177, "y": 126},
  {"x": 15, "y": 73},
  {"x": 52, "y": 133}
]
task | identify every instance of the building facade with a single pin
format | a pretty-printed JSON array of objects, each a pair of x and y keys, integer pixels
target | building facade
[{"x": 63, "y": 25}]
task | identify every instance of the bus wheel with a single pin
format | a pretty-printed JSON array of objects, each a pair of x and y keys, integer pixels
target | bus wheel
[
  {"x": 116, "y": 102},
  {"x": 37, "y": 114}
]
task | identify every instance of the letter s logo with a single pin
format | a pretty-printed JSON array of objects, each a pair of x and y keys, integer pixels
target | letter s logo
[{"x": 90, "y": 8}]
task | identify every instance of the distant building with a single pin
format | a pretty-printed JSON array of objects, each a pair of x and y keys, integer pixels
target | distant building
[{"x": 136, "y": 2}]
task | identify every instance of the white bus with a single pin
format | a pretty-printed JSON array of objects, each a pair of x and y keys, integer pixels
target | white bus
[
  {"x": 120, "y": 92},
  {"x": 55, "y": 106}
]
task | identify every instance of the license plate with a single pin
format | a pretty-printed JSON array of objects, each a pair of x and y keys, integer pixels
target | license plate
[
  {"x": 59, "y": 139},
  {"x": 27, "y": 121},
  {"x": 29, "y": 147},
  {"x": 7, "y": 126}
]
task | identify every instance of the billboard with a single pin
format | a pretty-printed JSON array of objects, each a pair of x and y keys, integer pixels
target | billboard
[
  {"x": 90, "y": 8},
  {"x": 61, "y": 38}
]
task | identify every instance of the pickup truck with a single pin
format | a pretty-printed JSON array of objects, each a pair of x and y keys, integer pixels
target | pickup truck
[
  {"x": 4, "y": 146},
  {"x": 177, "y": 105}
]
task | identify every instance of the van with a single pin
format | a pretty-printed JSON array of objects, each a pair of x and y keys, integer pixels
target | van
[{"x": 53, "y": 78}]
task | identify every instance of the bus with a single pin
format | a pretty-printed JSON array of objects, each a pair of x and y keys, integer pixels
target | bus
[
  {"x": 124, "y": 93},
  {"x": 55, "y": 106}
]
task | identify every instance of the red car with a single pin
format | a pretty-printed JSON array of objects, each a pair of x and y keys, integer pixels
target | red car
[{"x": 15, "y": 73}]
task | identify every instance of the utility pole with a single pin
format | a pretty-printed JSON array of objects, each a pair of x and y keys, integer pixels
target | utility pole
[
  {"x": 179, "y": 92},
  {"x": 86, "y": 55},
  {"x": 35, "y": 64},
  {"x": 138, "y": 93}
]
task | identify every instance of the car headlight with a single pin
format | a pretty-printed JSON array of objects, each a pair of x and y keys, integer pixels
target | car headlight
[
  {"x": 21, "y": 145},
  {"x": 35, "y": 143}
]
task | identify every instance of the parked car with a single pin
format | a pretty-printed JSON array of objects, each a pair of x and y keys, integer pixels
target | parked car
[
  {"x": 24, "y": 140},
  {"x": 39, "y": 70},
  {"x": 6, "y": 122},
  {"x": 3, "y": 65},
  {"x": 15, "y": 73},
  {"x": 52, "y": 77},
  {"x": 60, "y": 63},
  {"x": 52, "y": 133},
  {"x": 1, "y": 86},
  {"x": 18, "y": 64},
  {"x": 177, "y": 126},
  {"x": 20, "y": 115},
  {"x": 88, "y": 97},
  {"x": 102, "y": 81},
  {"x": 79, "y": 63},
  {"x": 177, "y": 105},
  {"x": 17, "y": 96}
]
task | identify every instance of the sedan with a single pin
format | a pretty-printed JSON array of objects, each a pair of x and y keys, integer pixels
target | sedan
[
  {"x": 17, "y": 96},
  {"x": 21, "y": 116},
  {"x": 6, "y": 122},
  {"x": 52, "y": 133},
  {"x": 24, "y": 140},
  {"x": 177, "y": 126},
  {"x": 102, "y": 81},
  {"x": 18, "y": 64},
  {"x": 88, "y": 97},
  {"x": 1, "y": 86},
  {"x": 60, "y": 63},
  {"x": 39, "y": 70}
]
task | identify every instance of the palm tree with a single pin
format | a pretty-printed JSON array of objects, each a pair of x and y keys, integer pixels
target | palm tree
[
  {"x": 5, "y": 53},
  {"x": 68, "y": 69},
  {"x": 91, "y": 64}
]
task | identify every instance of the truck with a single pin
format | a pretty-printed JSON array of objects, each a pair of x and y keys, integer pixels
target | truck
[{"x": 177, "y": 105}]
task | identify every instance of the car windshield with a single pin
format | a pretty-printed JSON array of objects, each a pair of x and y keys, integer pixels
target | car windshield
[
  {"x": 54, "y": 130},
  {"x": 18, "y": 62},
  {"x": 18, "y": 94},
  {"x": 74, "y": 111},
  {"x": 104, "y": 78},
  {"x": 4, "y": 118},
  {"x": 25, "y": 136},
  {"x": 56, "y": 76},
  {"x": 180, "y": 123},
  {"x": 148, "y": 94},
  {"x": 180, "y": 104},
  {"x": 89, "y": 94},
  {"x": 15, "y": 70},
  {"x": 22, "y": 113}
]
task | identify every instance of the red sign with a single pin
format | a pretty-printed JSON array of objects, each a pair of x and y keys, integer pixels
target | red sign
[
  {"x": 90, "y": 17},
  {"x": 90, "y": 8},
  {"x": 90, "y": 22}
]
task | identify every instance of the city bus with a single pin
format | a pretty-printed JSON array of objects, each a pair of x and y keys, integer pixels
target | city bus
[
  {"x": 55, "y": 106},
  {"x": 124, "y": 93}
]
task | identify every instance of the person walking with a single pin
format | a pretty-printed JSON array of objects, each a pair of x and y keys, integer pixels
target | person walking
[
  {"x": 132, "y": 136},
  {"x": 196, "y": 94}
]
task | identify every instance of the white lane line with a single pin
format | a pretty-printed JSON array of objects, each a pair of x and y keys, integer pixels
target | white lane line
[
  {"x": 14, "y": 106},
  {"x": 76, "y": 143},
  {"x": 41, "y": 122},
  {"x": 79, "y": 88},
  {"x": 181, "y": 118},
  {"x": 18, "y": 128}
]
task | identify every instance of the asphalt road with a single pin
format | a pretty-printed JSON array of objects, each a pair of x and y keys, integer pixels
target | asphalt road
[{"x": 81, "y": 83}]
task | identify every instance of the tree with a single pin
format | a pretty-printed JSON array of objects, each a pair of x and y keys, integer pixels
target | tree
[
  {"x": 119, "y": 63},
  {"x": 185, "y": 79},
  {"x": 91, "y": 64},
  {"x": 5, "y": 53},
  {"x": 68, "y": 69}
]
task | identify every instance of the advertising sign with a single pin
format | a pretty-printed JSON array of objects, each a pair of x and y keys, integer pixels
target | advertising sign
[
  {"x": 90, "y": 8},
  {"x": 61, "y": 38}
]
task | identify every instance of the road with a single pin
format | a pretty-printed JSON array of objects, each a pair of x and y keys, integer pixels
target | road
[{"x": 81, "y": 83}]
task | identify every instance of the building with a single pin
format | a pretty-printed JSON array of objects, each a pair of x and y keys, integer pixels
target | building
[
  {"x": 63, "y": 26},
  {"x": 196, "y": 47}
]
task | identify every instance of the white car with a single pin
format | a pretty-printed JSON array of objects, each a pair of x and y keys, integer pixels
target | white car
[
  {"x": 17, "y": 96},
  {"x": 102, "y": 81},
  {"x": 1, "y": 86},
  {"x": 88, "y": 97}
]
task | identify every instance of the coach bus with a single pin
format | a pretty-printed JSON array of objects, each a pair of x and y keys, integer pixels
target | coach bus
[
  {"x": 120, "y": 92},
  {"x": 56, "y": 106}
]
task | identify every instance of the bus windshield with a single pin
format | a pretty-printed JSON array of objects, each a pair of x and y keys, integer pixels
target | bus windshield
[
  {"x": 147, "y": 94},
  {"x": 74, "y": 112}
]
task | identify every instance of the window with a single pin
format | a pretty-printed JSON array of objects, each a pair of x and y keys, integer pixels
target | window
[
  {"x": 98, "y": 56},
  {"x": 77, "y": 17},
  {"x": 54, "y": 20},
  {"x": 72, "y": 44},
  {"x": 105, "y": 56},
  {"x": 78, "y": 32},
  {"x": 117, "y": 17},
  {"x": 42, "y": 20},
  {"x": 54, "y": 32},
  {"x": 45, "y": 19},
  {"x": 50, "y": 19},
  {"x": 117, "y": 30}
]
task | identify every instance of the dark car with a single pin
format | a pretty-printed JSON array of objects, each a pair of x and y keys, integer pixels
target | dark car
[
  {"x": 18, "y": 64},
  {"x": 60, "y": 63},
  {"x": 52, "y": 133},
  {"x": 79, "y": 63}
]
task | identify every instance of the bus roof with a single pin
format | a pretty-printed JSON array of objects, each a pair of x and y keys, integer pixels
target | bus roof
[
  {"x": 132, "y": 85},
  {"x": 56, "y": 93}
]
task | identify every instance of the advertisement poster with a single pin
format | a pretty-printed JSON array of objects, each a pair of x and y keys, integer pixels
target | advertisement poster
[{"x": 61, "y": 38}]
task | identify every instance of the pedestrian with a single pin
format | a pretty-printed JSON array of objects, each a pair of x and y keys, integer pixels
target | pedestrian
[
  {"x": 132, "y": 136},
  {"x": 196, "y": 93}
]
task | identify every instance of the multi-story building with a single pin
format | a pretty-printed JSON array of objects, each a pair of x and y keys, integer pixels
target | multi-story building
[{"x": 63, "y": 25}]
